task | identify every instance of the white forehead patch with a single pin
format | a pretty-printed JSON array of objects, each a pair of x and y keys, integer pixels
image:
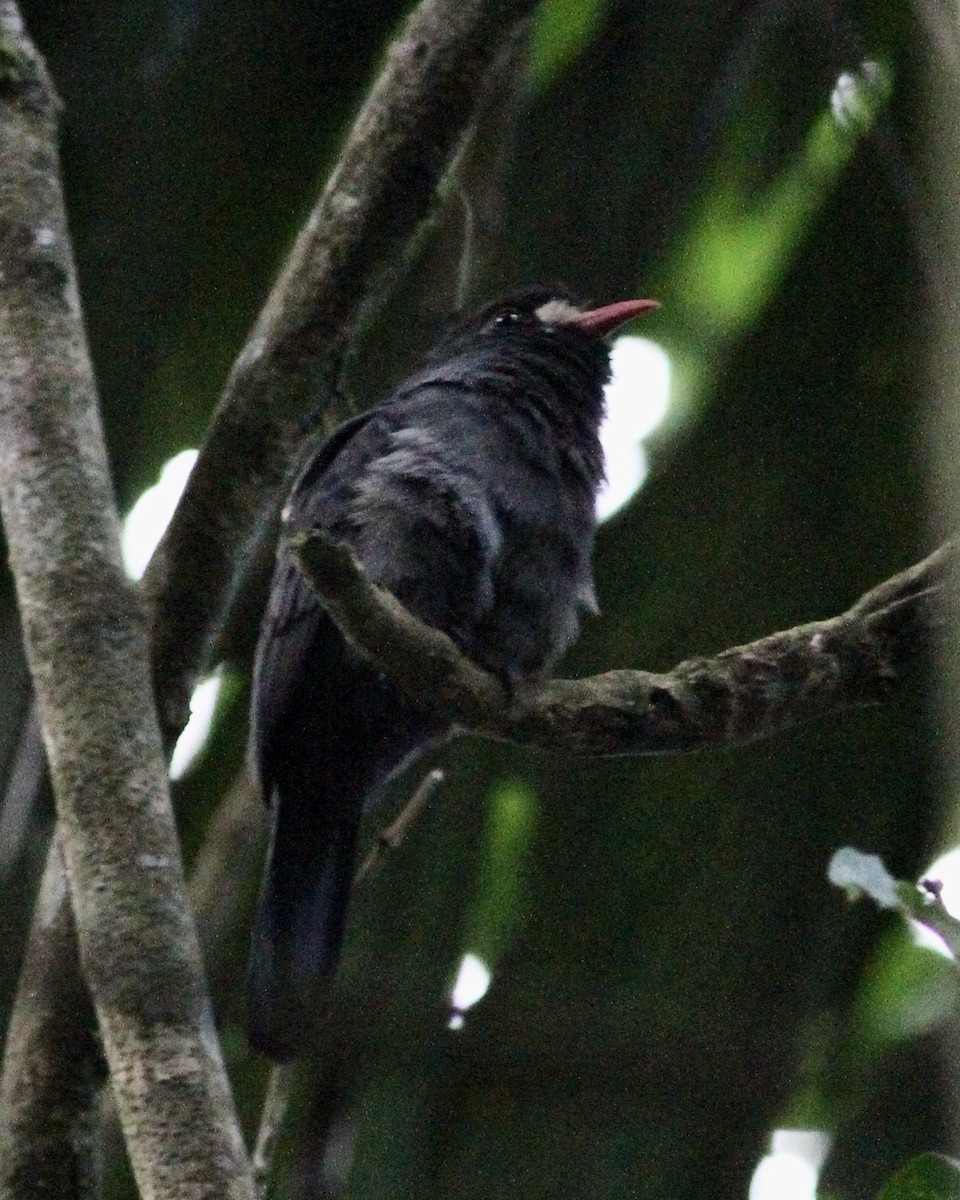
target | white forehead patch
[{"x": 557, "y": 312}]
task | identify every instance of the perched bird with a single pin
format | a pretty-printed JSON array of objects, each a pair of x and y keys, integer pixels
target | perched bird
[{"x": 469, "y": 493}]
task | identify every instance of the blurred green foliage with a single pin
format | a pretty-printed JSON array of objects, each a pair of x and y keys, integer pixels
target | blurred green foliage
[
  {"x": 562, "y": 29},
  {"x": 927, "y": 1177},
  {"x": 498, "y": 904},
  {"x": 742, "y": 237},
  {"x": 673, "y": 974}
]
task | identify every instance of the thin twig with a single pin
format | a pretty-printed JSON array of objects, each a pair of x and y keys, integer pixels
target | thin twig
[
  {"x": 275, "y": 1105},
  {"x": 390, "y": 838}
]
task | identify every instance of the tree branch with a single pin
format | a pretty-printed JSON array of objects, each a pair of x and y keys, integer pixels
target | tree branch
[
  {"x": 744, "y": 693},
  {"x": 86, "y": 644},
  {"x": 53, "y": 1068},
  {"x": 384, "y": 186},
  {"x": 403, "y": 141}
]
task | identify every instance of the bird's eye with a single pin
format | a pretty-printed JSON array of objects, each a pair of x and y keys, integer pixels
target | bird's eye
[{"x": 512, "y": 317}]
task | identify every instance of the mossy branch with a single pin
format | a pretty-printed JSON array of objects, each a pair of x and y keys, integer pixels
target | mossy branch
[{"x": 743, "y": 693}]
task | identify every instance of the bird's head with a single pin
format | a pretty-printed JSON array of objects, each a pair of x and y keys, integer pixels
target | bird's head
[
  {"x": 540, "y": 348},
  {"x": 534, "y": 317}
]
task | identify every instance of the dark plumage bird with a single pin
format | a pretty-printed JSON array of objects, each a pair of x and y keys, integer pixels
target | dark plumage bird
[{"x": 468, "y": 493}]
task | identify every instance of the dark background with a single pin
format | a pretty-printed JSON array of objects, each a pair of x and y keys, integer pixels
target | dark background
[{"x": 674, "y": 977}]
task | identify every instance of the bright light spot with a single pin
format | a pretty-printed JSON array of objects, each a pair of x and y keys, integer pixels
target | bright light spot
[
  {"x": 927, "y": 939},
  {"x": 853, "y": 100},
  {"x": 946, "y": 870},
  {"x": 149, "y": 517},
  {"x": 142, "y": 530},
  {"x": 472, "y": 984},
  {"x": 783, "y": 1177},
  {"x": 625, "y": 464},
  {"x": 857, "y": 872},
  {"x": 197, "y": 730},
  {"x": 791, "y": 1169},
  {"x": 639, "y": 389},
  {"x": 637, "y": 395}
]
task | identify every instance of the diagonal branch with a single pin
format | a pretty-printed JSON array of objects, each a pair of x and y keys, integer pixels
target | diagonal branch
[
  {"x": 86, "y": 643},
  {"x": 744, "y": 693},
  {"x": 53, "y": 1069},
  {"x": 382, "y": 189}
]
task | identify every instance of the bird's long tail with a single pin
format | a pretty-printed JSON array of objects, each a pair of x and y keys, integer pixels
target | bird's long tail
[{"x": 299, "y": 924}]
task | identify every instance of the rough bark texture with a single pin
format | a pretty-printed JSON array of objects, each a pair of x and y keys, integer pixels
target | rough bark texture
[
  {"x": 744, "y": 693},
  {"x": 382, "y": 189},
  {"x": 54, "y": 1066},
  {"x": 86, "y": 641}
]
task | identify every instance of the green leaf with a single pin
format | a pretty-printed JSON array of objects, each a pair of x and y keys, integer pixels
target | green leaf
[{"x": 926, "y": 1177}]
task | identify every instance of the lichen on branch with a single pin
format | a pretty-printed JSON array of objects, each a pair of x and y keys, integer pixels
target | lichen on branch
[{"x": 743, "y": 693}]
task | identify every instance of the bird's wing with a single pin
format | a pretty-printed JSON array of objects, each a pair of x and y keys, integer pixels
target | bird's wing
[
  {"x": 319, "y": 461},
  {"x": 294, "y": 620},
  {"x": 420, "y": 515}
]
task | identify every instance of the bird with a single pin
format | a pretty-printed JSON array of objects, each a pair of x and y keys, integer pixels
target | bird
[{"x": 469, "y": 493}]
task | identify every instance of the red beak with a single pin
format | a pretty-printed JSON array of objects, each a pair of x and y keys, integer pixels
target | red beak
[{"x": 602, "y": 321}]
